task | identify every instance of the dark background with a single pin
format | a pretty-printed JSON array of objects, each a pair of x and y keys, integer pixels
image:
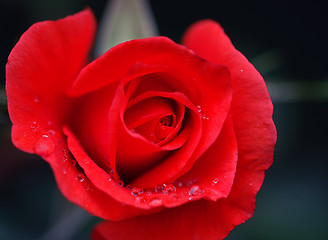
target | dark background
[{"x": 287, "y": 43}]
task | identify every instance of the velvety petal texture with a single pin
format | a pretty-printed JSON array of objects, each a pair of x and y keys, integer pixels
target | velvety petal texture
[
  {"x": 251, "y": 112},
  {"x": 166, "y": 141}
]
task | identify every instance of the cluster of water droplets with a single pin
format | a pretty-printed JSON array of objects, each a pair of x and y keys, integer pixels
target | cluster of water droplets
[
  {"x": 70, "y": 162},
  {"x": 184, "y": 190},
  {"x": 199, "y": 109}
]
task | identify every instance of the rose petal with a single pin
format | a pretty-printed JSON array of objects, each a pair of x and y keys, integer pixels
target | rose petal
[
  {"x": 198, "y": 221},
  {"x": 128, "y": 206},
  {"x": 40, "y": 68},
  {"x": 119, "y": 60},
  {"x": 251, "y": 112},
  {"x": 214, "y": 171},
  {"x": 77, "y": 187},
  {"x": 89, "y": 122}
]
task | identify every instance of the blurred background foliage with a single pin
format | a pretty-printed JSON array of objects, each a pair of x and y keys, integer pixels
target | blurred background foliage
[{"x": 287, "y": 43}]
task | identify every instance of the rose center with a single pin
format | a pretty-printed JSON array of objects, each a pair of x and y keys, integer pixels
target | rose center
[
  {"x": 153, "y": 118},
  {"x": 166, "y": 121}
]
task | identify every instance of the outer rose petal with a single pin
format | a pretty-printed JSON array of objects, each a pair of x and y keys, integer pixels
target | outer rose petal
[
  {"x": 251, "y": 112},
  {"x": 40, "y": 68},
  {"x": 201, "y": 220}
]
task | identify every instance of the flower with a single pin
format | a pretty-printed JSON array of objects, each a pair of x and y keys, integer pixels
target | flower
[{"x": 152, "y": 133}]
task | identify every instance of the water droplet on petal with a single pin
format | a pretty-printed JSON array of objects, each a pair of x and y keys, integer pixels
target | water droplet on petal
[
  {"x": 36, "y": 99},
  {"x": 180, "y": 184},
  {"x": 140, "y": 199},
  {"x": 52, "y": 132},
  {"x": 44, "y": 146},
  {"x": 215, "y": 180},
  {"x": 136, "y": 191},
  {"x": 169, "y": 189},
  {"x": 109, "y": 179},
  {"x": 80, "y": 177},
  {"x": 120, "y": 183},
  {"x": 159, "y": 188},
  {"x": 111, "y": 172},
  {"x": 191, "y": 182},
  {"x": 196, "y": 191},
  {"x": 34, "y": 126},
  {"x": 155, "y": 202}
]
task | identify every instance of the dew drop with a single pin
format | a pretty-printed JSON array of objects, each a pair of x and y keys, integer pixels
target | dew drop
[
  {"x": 206, "y": 118},
  {"x": 140, "y": 199},
  {"x": 241, "y": 70},
  {"x": 136, "y": 191},
  {"x": 174, "y": 196},
  {"x": 196, "y": 191},
  {"x": 109, "y": 179},
  {"x": 120, "y": 183},
  {"x": 215, "y": 180},
  {"x": 52, "y": 132},
  {"x": 44, "y": 146},
  {"x": 191, "y": 182},
  {"x": 180, "y": 184},
  {"x": 169, "y": 189},
  {"x": 159, "y": 188},
  {"x": 199, "y": 109},
  {"x": 155, "y": 202},
  {"x": 36, "y": 99},
  {"x": 64, "y": 170},
  {"x": 34, "y": 126},
  {"x": 80, "y": 177}
]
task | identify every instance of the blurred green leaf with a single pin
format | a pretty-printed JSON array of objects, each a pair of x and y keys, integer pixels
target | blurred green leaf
[{"x": 122, "y": 21}]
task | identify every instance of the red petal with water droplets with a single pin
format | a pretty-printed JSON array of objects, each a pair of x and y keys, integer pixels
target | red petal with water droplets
[
  {"x": 251, "y": 113},
  {"x": 40, "y": 68}
]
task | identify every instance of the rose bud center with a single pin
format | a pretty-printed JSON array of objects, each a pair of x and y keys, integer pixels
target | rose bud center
[{"x": 153, "y": 118}]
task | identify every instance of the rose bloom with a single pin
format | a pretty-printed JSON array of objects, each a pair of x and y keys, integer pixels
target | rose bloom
[{"x": 166, "y": 141}]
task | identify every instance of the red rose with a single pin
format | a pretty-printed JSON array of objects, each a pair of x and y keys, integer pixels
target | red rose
[{"x": 180, "y": 134}]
